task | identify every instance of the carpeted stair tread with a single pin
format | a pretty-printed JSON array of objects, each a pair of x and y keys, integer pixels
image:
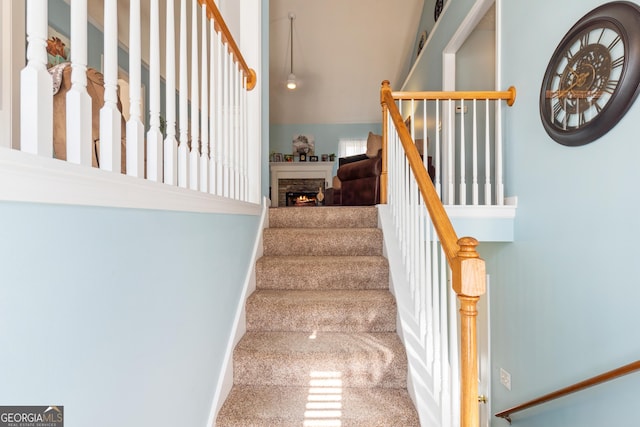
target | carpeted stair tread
[
  {"x": 288, "y": 358},
  {"x": 322, "y": 241},
  {"x": 366, "y": 310},
  {"x": 322, "y": 272},
  {"x": 324, "y": 217},
  {"x": 297, "y": 406}
]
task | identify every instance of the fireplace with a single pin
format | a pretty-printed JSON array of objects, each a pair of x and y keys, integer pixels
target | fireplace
[
  {"x": 302, "y": 198},
  {"x": 308, "y": 187}
]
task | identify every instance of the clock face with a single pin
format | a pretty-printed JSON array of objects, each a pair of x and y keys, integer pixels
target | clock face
[{"x": 592, "y": 78}]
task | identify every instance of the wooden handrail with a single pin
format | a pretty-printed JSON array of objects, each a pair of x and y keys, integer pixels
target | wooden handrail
[
  {"x": 468, "y": 274},
  {"x": 508, "y": 95},
  {"x": 221, "y": 26},
  {"x": 598, "y": 379}
]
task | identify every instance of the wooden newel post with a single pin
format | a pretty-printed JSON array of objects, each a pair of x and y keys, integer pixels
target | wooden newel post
[
  {"x": 384, "y": 176},
  {"x": 469, "y": 283}
]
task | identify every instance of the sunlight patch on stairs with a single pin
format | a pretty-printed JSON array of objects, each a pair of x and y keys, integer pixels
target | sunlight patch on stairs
[{"x": 324, "y": 402}]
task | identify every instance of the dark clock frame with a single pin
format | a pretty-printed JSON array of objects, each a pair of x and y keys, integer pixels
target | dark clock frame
[{"x": 624, "y": 17}]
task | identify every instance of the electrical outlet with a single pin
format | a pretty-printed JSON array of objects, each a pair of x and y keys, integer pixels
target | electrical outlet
[
  {"x": 505, "y": 379},
  {"x": 461, "y": 110}
]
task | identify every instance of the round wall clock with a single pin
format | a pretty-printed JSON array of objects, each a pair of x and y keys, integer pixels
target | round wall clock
[
  {"x": 593, "y": 75},
  {"x": 438, "y": 9}
]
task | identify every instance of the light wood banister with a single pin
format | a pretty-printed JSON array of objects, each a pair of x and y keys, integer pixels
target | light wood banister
[
  {"x": 468, "y": 272},
  {"x": 221, "y": 26},
  {"x": 598, "y": 379},
  {"x": 508, "y": 95}
]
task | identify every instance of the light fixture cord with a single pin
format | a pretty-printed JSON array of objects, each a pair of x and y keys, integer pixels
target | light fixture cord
[{"x": 291, "y": 31}]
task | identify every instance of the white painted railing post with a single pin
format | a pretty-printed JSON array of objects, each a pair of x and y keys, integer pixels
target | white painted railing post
[
  {"x": 79, "y": 141},
  {"x": 135, "y": 129},
  {"x": 110, "y": 117},
  {"x": 154, "y": 135},
  {"x": 204, "y": 108},
  {"x": 219, "y": 116},
  {"x": 183, "y": 156},
  {"x": 213, "y": 182},
  {"x": 170, "y": 142},
  {"x": 36, "y": 87},
  {"x": 194, "y": 158}
]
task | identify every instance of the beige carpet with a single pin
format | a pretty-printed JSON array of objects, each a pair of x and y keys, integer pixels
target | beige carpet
[{"x": 321, "y": 347}]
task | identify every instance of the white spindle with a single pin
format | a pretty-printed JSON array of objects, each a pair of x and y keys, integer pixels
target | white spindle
[
  {"x": 154, "y": 135},
  {"x": 183, "y": 156},
  {"x": 36, "y": 87},
  {"x": 487, "y": 155},
  {"x": 450, "y": 182},
  {"x": 474, "y": 156},
  {"x": 225, "y": 122},
  {"x": 463, "y": 165},
  {"x": 212, "y": 108},
  {"x": 204, "y": 109},
  {"x": 245, "y": 142},
  {"x": 194, "y": 157},
  {"x": 110, "y": 117},
  {"x": 219, "y": 116},
  {"x": 498, "y": 160},
  {"x": 79, "y": 141},
  {"x": 170, "y": 142},
  {"x": 436, "y": 155},
  {"x": 135, "y": 129}
]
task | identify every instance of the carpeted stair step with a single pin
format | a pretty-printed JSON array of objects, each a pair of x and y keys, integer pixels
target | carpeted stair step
[
  {"x": 322, "y": 272},
  {"x": 322, "y": 241},
  {"x": 300, "y": 358},
  {"x": 335, "y": 310},
  {"x": 304, "y": 406},
  {"x": 324, "y": 217}
]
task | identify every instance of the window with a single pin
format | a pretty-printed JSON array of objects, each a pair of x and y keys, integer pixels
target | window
[{"x": 351, "y": 146}]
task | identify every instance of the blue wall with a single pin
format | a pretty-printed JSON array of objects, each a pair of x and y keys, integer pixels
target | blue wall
[
  {"x": 120, "y": 315},
  {"x": 326, "y": 135},
  {"x": 564, "y": 294}
]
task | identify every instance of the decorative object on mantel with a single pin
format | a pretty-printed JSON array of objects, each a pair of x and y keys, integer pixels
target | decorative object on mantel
[
  {"x": 288, "y": 157},
  {"x": 303, "y": 157},
  {"x": 332, "y": 157},
  {"x": 313, "y": 158},
  {"x": 303, "y": 144},
  {"x": 277, "y": 157},
  {"x": 325, "y": 157}
]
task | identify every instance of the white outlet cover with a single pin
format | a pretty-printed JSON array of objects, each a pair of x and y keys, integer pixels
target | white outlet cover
[{"x": 505, "y": 379}]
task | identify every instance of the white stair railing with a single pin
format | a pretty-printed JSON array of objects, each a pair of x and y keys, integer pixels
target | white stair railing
[
  {"x": 210, "y": 155},
  {"x": 463, "y": 138}
]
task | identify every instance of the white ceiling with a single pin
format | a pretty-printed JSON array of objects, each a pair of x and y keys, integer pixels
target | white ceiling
[{"x": 342, "y": 51}]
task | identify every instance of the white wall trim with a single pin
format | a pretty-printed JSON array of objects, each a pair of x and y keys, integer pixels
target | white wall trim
[
  {"x": 26, "y": 177},
  {"x": 239, "y": 327}
]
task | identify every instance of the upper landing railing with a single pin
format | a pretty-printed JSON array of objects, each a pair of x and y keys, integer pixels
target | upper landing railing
[
  {"x": 206, "y": 144},
  {"x": 435, "y": 260}
]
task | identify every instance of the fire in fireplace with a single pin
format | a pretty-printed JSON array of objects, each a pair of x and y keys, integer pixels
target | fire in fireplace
[{"x": 301, "y": 198}]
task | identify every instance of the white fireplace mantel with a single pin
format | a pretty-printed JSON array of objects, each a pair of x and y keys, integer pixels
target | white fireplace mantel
[{"x": 298, "y": 170}]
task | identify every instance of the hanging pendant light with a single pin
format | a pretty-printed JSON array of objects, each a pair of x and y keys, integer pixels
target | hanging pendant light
[{"x": 291, "y": 79}]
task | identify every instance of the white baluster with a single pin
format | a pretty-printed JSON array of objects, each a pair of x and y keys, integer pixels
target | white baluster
[
  {"x": 463, "y": 166},
  {"x": 498, "y": 160},
  {"x": 79, "y": 141},
  {"x": 450, "y": 146},
  {"x": 487, "y": 156},
  {"x": 194, "y": 156},
  {"x": 110, "y": 117},
  {"x": 204, "y": 109},
  {"x": 474, "y": 152},
  {"x": 225, "y": 123},
  {"x": 183, "y": 156},
  {"x": 170, "y": 142},
  {"x": 213, "y": 182},
  {"x": 245, "y": 142},
  {"x": 219, "y": 116},
  {"x": 154, "y": 135},
  {"x": 436, "y": 155},
  {"x": 36, "y": 87},
  {"x": 135, "y": 129}
]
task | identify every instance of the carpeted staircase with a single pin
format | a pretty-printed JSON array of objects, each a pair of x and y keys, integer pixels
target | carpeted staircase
[{"x": 321, "y": 347}]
